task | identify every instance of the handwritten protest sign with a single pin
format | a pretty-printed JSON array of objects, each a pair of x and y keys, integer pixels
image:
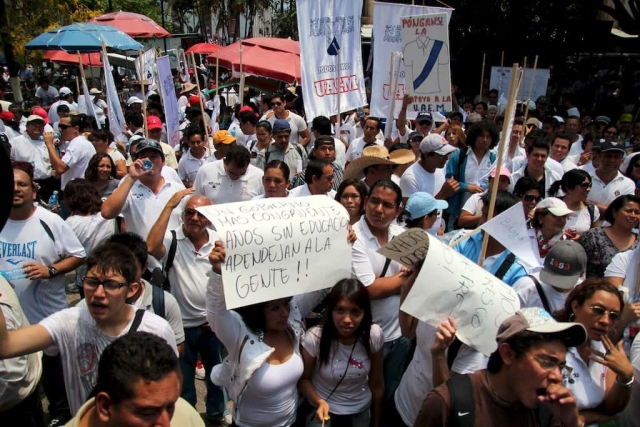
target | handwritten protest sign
[
  {"x": 451, "y": 285},
  {"x": 425, "y": 49},
  {"x": 501, "y": 79},
  {"x": 281, "y": 247},
  {"x": 408, "y": 248},
  {"x": 170, "y": 102},
  {"x": 510, "y": 229}
]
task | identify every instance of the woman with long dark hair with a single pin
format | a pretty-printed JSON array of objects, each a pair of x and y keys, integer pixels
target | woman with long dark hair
[
  {"x": 352, "y": 194},
  {"x": 342, "y": 376},
  {"x": 101, "y": 140},
  {"x": 101, "y": 172},
  {"x": 601, "y": 375},
  {"x": 576, "y": 184}
]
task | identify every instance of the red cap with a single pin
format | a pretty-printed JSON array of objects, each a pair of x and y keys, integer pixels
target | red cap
[
  {"x": 194, "y": 100},
  {"x": 154, "y": 122},
  {"x": 7, "y": 115},
  {"x": 38, "y": 111}
]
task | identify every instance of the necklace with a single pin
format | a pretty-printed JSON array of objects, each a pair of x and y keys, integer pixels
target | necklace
[{"x": 495, "y": 393}]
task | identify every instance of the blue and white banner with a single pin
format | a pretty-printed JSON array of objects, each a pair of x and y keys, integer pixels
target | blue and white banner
[
  {"x": 387, "y": 38},
  {"x": 87, "y": 99},
  {"x": 169, "y": 100},
  {"x": 116, "y": 118},
  {"x": 148, "y": 61},
  {"x": 330, "y": 56}
]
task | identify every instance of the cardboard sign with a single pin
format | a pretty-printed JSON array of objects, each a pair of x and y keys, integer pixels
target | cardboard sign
[
  {"x": 280, "y": 247},
  {"x": 408, "y": 248},
  {"x": 425, "y": 49},
  {"x": 451, "y": 285}
]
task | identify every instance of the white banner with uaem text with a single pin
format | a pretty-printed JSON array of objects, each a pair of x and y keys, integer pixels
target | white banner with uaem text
[
  {"x": 387, "y": 38},
  {"x": 330, "y": 56}
]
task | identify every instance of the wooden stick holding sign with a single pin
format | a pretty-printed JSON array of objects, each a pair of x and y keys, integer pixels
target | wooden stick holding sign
[
  {"x": 206, "y": 128},
  {"x": 503, "y": 141},
  {"x": 533, "y": 79},
  {"x": 144, "y": 104},
  {"x": 241, "y": 87},
  {"x": 394, "y": 76},
  {"x": 339, "y": 119},
  {"x": 484, "y": 57}
]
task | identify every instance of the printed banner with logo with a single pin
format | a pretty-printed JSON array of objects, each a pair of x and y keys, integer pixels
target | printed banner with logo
[
  {"x": 425, "y": 54},
  {"x": 169, "y": 100},
  {"x": 116, "y": 118},
  {"x": 330, "y": 33},
  {"x": 387, "y": 38}
]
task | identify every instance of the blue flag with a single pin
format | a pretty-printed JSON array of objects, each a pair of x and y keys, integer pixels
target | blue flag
[{"x": 333, "y": 48}]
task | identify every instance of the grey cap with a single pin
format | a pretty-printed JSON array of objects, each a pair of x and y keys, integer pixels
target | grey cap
[{"x": 564, "y": 264}]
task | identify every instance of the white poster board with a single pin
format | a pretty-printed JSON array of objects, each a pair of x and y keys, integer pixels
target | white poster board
[
  {"x": 280, "y": 247},
  {"x": 168, "y": 92},
  {"x": 425, "y": 54},
  {"x": 387, "y": 38},
  {"x": 451, "y": 285},
  {"x": 326, "y": 27},
  {"x": 501, "y": 80}
]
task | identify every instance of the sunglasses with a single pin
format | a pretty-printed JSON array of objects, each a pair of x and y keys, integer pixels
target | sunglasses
[
  {"x": 585, "y": 185},
  {"x": 531, "y": 198},
  {"x": 191, "y": 213},
  {"x": 610, "y": 133},
  {"x": 636, "y": 165},
  {"x": 63, "y": 126},
  {"x": 424, "y": 123},
  {"x": 601, "y": 311},
  {"x": 276, "y": 104}
]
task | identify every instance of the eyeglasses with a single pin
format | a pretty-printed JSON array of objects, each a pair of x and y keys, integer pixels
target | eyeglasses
[
  {"x": 550, "y": 365},
  {"x": 110, "y": 286},
  {"x": 531, "y": 198},
  {"x": 62, "y": 126},
  {"x": 610, "y": 132},
  {"x": 192, "y": 212},
  {"x": 424, "y": 123},
  {"x": 586, "y": 185},
  {"x": 601, "y": 311},
  {"x": 276, "y": 104}
]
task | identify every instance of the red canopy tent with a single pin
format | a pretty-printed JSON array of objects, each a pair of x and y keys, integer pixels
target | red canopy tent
[
  {"x": 133, "y": 24},
  {"x": 203, "y": 48},
  {"x": 64, "y": 57},
  {"x": 271, "y": 61}
]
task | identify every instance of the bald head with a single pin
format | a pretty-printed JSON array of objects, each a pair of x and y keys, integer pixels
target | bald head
[{"x": 196, "y": 201}]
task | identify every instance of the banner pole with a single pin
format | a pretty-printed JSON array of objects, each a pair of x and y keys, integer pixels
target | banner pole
[
  {"x": 217, "y": 69},
  {"x": 533, "y": 78},
  {"x": 338, "y": 122},
  {"x": 201, "y": 102},
  {"x": 144, "y": 104},
  {"x": 503, "y": 141},
  {"x": 484, "y": 57},
  {"x": 241, "y": 87},
  {"x": 392, "y": 97}
]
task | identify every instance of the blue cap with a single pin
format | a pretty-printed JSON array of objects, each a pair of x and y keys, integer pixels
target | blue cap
[
  {"x": 421, "y": 117},
  {"x": 420, "y": 204},
  {"x": 281, "y": 125}
]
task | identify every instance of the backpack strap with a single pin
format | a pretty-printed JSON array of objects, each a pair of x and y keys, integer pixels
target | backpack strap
[
  {"x": 505, "y": 266},
  {"x": 592, "y": 213},
  {"x": 462, "y": 401},
  {"x": 136, "y": 321},
  {"x": 299, "y": 150},
  {"x": 157, "y": 301},
  {"x": 172, "y": 252},
  {"x": 541, "y": 294},
  {"x": 267, "y": 153},
  {"x": 47, "y": 230},
  {"x": 387, "y": 262},
  {"x": 543, "y": 415}
]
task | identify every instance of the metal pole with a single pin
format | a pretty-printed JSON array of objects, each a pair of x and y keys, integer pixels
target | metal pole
[{"x": 164, "y": 39}]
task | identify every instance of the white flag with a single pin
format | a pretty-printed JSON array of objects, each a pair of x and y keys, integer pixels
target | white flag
[
  {"x": 148, "y": 62},
  {"x": 88, "y": 103},
  {"x": 116, "y": 118},
  {"x": 169, "y": 100},
  {"x": 510, "y": 229}
]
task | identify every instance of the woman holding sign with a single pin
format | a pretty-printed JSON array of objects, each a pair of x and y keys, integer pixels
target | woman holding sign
[
  {"x": 342, "y": 376},
  {"x": 264, "y": 364}
]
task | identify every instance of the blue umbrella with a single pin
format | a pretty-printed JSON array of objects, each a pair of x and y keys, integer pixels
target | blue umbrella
[{"x": 83, "y": 37}]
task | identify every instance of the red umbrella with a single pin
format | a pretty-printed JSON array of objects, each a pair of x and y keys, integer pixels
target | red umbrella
[
  {"x": 203, "y": 48},
  {"x": 259, "y": 61},
  {"x": 62, "y": 56},
  {"x": 133, "y": 24},
  {"x": 273, "y": 43}
]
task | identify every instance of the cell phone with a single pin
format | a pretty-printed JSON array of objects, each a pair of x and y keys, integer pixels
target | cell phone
[{"x": 360, "y": 112}]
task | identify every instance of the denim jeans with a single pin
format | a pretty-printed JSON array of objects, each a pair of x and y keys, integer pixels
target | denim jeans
[
  {"x": 396, "y": 354},
  {"x": 201, "y": 340}
]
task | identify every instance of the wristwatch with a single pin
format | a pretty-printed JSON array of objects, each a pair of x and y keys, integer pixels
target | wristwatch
[{"x": 52, "y": 271}]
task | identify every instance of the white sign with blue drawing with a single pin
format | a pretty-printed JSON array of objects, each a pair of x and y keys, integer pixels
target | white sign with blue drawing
[{"x": 425, "y": 41}]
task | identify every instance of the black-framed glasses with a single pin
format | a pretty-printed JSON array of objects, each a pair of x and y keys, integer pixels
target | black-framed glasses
[
  {"x": 531, "y": 198},
  {"x": 601, "y": 311},
  {"x": 108, "y": 285}
]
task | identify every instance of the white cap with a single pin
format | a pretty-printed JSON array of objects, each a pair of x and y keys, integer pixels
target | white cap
[
  {"x": 435, "y": 143},
  {"x": 134, "y": 100},
  {"x": 95, "y": 91},
  {"x": 556, "y": 206},
  {"x": 64, "y": 91}
]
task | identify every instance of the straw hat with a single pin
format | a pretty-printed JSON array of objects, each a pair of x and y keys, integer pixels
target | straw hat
[
  {"x": 187, "y": 87},
  {"x": 377, "y": 155}
]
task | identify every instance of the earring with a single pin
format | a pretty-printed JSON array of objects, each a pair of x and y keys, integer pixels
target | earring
[{"x": 572, "y": 317}]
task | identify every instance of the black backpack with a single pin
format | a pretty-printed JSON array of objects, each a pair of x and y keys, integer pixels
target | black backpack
[{"x": 159, "y": 278}]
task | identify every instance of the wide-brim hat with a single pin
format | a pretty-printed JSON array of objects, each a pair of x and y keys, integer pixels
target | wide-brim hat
[
  {"x": 377, "y": 155},
  {"x": 187, "y": 87}
]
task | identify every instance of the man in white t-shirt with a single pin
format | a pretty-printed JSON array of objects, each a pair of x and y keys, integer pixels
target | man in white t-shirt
[
  {"x": 563, "y": 268},
  {"x": 232, "y": 179},
  {"x": 193, "y": 241},
  {"x": 45, "y": 93},
  {"x": 424, "y": 121},
  {"x": 427, "y": 174},
  {"x": 371, "y": 129},
  {"x": 560, "y": 152},
  {"x": 80, "y": 334},
  {"x": 299, "y": 131},
  {"x": 608, "y": 182},
  {"x": 143, "y": 193},
  {"x": 78, "y": 152},
  {"x": 39, "y": 248},
  {"x": 192, "y": 160}
]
